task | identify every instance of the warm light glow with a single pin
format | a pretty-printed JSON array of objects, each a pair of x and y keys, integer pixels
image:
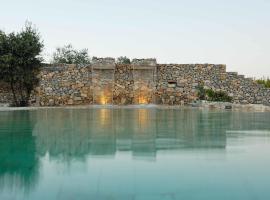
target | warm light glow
[
  {"x": 142, "y": 100},
  {"x": 103, "y": 100},
  {"x": 104, "y": 116},
  {"x": 142, "y": 118}
]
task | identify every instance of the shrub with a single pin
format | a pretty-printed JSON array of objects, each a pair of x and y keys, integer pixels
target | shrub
[
  {"x": 218, "y": 96},
  {"x": 123, "y": 60},
  {"x": 201, "y": 92},
  {"x": 211, "y": 95},
  {"x": 69, "y": 55},
  {"x": 265, "y": 82}
]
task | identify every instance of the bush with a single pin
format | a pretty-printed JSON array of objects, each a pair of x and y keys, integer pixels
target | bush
[
  {"x": 123, "y": 60},
  {"x": 218, "y": 96},
  {"x": 265, "y": 82},
  {"x": 201, "y": 93},
  {"x": 211, "y": 95},
  {"x": 69, "y": 55}
]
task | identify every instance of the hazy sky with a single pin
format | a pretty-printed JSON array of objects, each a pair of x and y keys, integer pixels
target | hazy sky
[{"x": 232, "y": 32}]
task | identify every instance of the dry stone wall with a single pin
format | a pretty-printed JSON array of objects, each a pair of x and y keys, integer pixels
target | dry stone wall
[
  {"x": 141, "y": 82},
  {"x": 123, "y": 85},
  {"x": 177, "y": 84},
  {"x": 64, "y": 85},
  {"x": 144, "y": 72},
  {"x": 5, "y": 94},
  {"x": 103, "y": 80}
]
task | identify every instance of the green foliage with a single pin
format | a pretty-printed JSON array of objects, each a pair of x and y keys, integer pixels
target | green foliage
[
  {"x": 218, "y": 96},
  {"x": 211, "y": 95},
  {"x": 265, "y": 82},
  {"x": 69, "y": 55},
  {"x": 20, "y": 61},
  {"x": 123, "y": 60},
  {"x": 201, "y": 92}
]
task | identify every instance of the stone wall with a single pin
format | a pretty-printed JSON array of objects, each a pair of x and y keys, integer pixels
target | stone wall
[
  {"x": 103, "y": 80},
  {"x": 144, "y": 76},
  {"x": 141, "y": 82},
  {"x": 123, "y": 85},
  {"x": 5, "y": 94},
  {"x": 64, "y": 85},
  {"x": 177, "y": 84}
]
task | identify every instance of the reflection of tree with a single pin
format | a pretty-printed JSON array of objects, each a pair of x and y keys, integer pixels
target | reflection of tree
[
  {"x": 19, "y": 164},
  {"x": 64, "y": 134}
]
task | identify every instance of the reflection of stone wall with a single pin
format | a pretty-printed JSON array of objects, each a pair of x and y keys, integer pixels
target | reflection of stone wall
[
  {"x": 69, "y": 134},
  {"x": 141, "y": 82},
  {"x": 76, "y": 133}
]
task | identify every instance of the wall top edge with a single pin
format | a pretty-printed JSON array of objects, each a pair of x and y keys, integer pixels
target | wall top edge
[{"x": 109, "y": 63}]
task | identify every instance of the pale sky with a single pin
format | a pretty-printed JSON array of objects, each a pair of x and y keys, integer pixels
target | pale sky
[{"x": 231, "y": 32}]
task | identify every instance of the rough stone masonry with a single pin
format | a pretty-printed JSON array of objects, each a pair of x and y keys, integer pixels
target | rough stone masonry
[{"x": 141, "y": 82}]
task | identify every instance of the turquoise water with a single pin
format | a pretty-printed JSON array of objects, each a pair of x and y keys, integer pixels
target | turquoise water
[{"x": 136, "y": 154}]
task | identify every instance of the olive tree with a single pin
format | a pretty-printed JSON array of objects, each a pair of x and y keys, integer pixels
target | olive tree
[
  {"x": 123, "y": 60},
  {"x": 20, "y": 61},
  {"x": 69, "y": 55}
]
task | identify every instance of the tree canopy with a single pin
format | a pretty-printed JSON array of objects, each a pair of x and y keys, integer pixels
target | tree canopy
[
  {"x": 20, "y": 61},
  {"x": 123, "y": 60},
  {"x": 69, "y": 55}
]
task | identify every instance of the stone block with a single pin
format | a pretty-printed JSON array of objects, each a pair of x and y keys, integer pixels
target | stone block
[
  {"x": 51, "y": 102},
  {"x": 77, "y": 98},
  {"x": 84, "y": 95},
  {"x": 70, "y": 102}
]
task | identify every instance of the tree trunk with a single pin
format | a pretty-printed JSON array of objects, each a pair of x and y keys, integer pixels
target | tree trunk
[
  {"x": 13, "y": 93},
  {"x": 21, "y": 94}
]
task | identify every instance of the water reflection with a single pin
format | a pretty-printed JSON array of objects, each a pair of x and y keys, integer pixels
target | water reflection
[
  {"x": 66, "y": 136},
  {"x": 75, "y": 134},
  {"x": 19, "y": 163}
]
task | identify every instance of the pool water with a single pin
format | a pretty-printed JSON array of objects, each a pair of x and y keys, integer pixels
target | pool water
[{"x": 134, "y": 153}]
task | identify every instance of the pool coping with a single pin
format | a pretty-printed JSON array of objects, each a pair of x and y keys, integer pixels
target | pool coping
[{"x": 205, "y": 106}]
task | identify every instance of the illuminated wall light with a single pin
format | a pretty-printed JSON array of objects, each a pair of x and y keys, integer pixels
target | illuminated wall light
[
  {"x": 103, "y": 100},
  {"x": 143, "y": 100}
]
